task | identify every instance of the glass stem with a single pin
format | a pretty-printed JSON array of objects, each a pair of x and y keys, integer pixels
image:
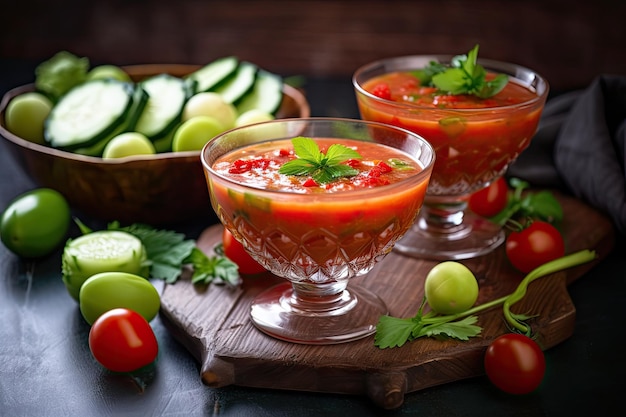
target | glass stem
[
  {"x": 445, "y": 219},
  {"x": 314, "y": 299}
]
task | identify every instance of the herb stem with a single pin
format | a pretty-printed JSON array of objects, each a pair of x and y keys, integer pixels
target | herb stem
[
  {"x": 507, "y": 301},
  {"x": 394, "y": 332},
  {"x": 556, "y": 265}
]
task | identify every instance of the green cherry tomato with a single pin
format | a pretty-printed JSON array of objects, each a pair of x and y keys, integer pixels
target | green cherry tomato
[
  {"x": 108, "y": 71},
  {"x": 253, "y": 116},
  {"x": 35, "y": 223},
  {"x": 450, "y": 288},
  {"x": 192, "y": 134},
  {"x": 25, "y": 116},
  {"x": 128, "y": 144},
  {"x": 121, "y": 340},
  {"x": 515, "y": 363},
  {"x": 108, "y": 290}
]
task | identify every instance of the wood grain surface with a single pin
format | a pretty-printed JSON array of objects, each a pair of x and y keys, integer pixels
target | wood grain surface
[{"x": 213, "y": 323}]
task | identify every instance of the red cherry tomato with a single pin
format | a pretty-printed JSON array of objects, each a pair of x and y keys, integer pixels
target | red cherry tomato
[
  {"x": 535, "y": 245},
  {"x": 234, "y": 251},
  {"x": 515, "y": 363},
  {"x": 491, "y": 200},
  {"x": 122, "y": 340}
]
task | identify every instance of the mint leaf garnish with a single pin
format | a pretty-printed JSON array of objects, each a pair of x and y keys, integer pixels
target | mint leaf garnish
[{"x": 323, "y": 168}]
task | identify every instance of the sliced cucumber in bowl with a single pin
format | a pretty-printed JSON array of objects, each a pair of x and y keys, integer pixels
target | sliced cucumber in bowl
[
  {"x": 92, "y": 113},
  {"x": 266, "y": 94},
  {"x": 89, "y": 113},
  {"x": 213, "y": 74},
  {"x": 236, "y": 87},
  {"x": 167, "y": 98}
]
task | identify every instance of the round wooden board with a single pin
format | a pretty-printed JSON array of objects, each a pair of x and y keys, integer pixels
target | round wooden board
[{"x": 212, "y": 322}]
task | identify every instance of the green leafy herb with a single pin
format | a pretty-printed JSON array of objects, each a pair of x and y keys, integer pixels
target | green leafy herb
[
  {"x": 395, "y": 332},
  {"x": 169, "y": 251},
  {"x": 212, "y": 269},
  {"x": 396, "y": 163},
  {"x": 425, "y": 75},
  {"x": 538, "y": 205},
  {"x": 323, "y": 168},
  {"x": 463, "y": 76},
  {"x": 166, "y": 250}
]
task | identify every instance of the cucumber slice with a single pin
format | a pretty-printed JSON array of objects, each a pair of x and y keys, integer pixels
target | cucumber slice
[
  {"x": 140, "y": 100},
  {"x": 266, "y": 94},
  {"x": 88, "y": 113},
  {"x": 213, "y": 74},
  {"x": 240, "y": 84},
  {"x": 162, "y": 113},
  {"x": 101, "y": 251}
]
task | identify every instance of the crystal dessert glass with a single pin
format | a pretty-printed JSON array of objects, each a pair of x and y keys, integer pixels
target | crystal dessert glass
[
  {"x": 316, "y": 237},
  {"x": 474, "y": 144}
]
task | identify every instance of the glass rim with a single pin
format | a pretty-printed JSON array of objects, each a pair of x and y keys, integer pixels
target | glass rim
[
  {"x": 489, "y": 64},
  {"x": 426, "y": 168}
]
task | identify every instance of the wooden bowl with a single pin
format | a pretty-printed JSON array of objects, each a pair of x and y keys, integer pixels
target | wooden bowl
[{"x": 160, "y": 189}]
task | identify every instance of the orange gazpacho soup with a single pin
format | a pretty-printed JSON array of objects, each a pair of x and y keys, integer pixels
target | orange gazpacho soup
[
  {"x": 474, "y": 138},
  {"x": 302, "y": 222}
]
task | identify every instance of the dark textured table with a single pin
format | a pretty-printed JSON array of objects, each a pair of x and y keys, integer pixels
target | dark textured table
[{"x": 46, "y": 368}]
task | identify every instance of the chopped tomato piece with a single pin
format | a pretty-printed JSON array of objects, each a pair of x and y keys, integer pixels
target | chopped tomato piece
[
  {"x": 382, "y": 90},
  {"x": 310, "y": 182}
]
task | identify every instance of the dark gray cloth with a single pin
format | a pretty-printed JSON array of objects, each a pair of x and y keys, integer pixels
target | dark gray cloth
[{"x": 580, "y": 147}]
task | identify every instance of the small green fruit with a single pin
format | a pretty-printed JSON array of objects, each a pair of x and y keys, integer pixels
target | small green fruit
[{"x": 450, "y": 288}]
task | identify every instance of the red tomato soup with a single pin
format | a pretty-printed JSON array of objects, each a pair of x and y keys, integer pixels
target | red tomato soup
[
  {"x": 303, "y": 223},
  {"x": 474, "y": 139}
]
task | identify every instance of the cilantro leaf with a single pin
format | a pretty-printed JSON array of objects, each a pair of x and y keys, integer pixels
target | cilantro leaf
[
  {"x": 461, "y": 329},
  {"x": 394, "y": 331},
  {"x": 323, "y": 168}
]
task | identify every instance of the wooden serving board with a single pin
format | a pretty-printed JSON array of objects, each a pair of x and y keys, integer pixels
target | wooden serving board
[{"x": 213, "y": 323}]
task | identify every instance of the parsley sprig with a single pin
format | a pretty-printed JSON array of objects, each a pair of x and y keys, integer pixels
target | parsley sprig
[
  {"x": 463, "y": 76},
  {"x": 395, "y": 332},
  {"x": 323, "y": 168}
]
